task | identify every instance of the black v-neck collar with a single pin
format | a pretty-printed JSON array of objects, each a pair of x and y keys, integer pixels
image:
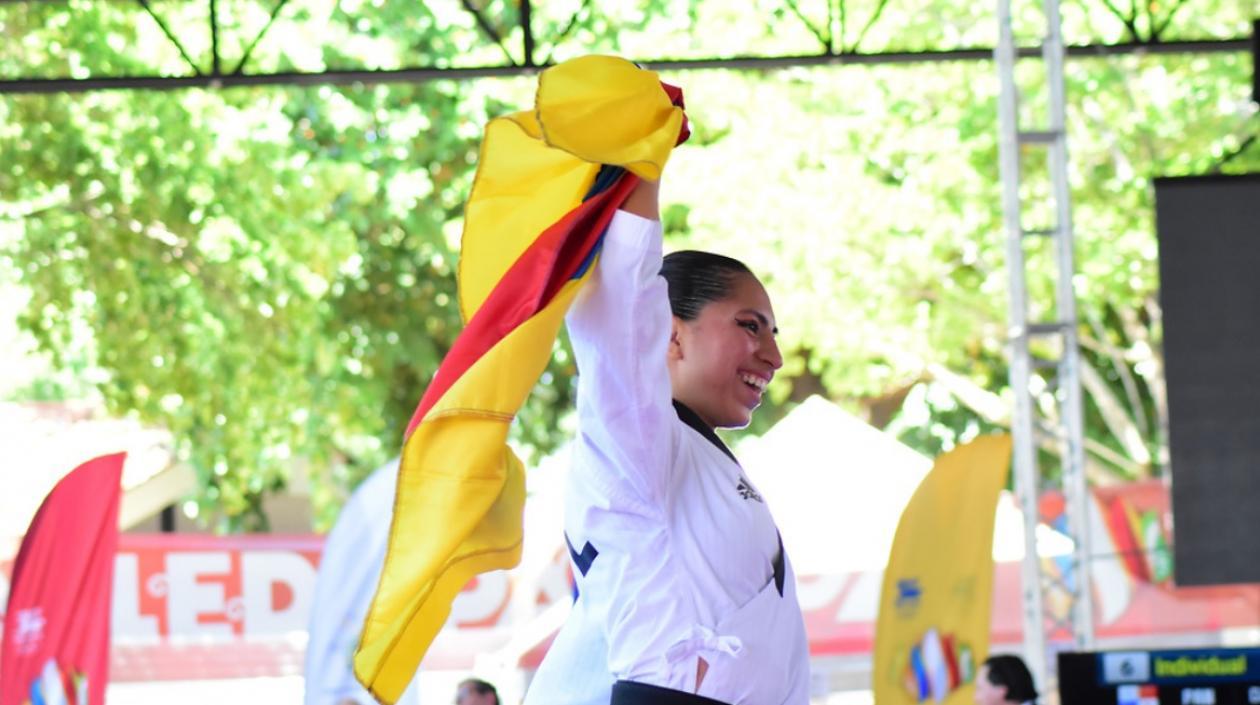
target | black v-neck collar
[{"x": 692, "y": 419}]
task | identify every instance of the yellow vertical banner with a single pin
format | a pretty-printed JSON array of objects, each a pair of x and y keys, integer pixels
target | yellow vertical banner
[{"x": 933, "y": 625}]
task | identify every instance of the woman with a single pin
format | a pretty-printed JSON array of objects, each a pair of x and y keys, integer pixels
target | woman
[
  {"x": 1004, "y": 679},
  {"x": 685, "y": 594}
]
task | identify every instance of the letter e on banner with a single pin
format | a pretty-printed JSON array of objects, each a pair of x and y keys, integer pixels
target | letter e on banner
[{"x": 187, "y": 598}]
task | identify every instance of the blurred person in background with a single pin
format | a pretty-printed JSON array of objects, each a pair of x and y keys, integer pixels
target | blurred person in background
[
  {"x": 476, "y": 692},
  {"x": 349, "y": 568},
  {"x": 1004, "y": 679}
]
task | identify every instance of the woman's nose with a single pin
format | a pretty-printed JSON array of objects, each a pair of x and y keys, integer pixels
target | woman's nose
[{"x": 770, "y": 353}]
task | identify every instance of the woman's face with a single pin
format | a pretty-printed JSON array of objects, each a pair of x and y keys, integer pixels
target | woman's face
[
  {"x": 986, "y": 692},
  {"x": 721, "y": 361}
]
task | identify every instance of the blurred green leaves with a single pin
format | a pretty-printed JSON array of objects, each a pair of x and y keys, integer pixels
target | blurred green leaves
[{"x": 269, "y": 272}]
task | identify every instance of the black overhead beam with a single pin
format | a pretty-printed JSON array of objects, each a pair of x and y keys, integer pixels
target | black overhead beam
[{"x": 407, "y": 75}]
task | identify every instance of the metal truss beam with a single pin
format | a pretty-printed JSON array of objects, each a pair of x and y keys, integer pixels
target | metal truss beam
[{"x": 217, "y": 79}]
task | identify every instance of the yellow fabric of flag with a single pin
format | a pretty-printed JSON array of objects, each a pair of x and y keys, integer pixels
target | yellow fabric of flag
[
  {"x": 934, "y": 609},
  {"x": 461, "y": 490}
]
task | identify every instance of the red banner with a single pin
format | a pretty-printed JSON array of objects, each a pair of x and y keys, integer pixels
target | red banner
[
  {"x": 56, "y": 626},
  {"x": 197, "y": 606},
  {"x": 189, "y": 606}
]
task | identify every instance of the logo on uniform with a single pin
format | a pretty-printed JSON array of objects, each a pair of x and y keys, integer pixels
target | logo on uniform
[{"x": 746, "y": 491}]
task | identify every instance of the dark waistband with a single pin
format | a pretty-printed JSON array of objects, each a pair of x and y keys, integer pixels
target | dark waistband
[{"x": 631, "y": 693}]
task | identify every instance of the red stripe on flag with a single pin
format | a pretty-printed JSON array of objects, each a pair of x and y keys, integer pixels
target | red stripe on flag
[
  {"x": 676, "y": 98},
  {"x": 527, "y": 287}
]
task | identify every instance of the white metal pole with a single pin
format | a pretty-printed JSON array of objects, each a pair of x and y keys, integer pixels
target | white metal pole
[
  {"x": 1075, "y": 487},
  {"x": 1024, "y": 452}
]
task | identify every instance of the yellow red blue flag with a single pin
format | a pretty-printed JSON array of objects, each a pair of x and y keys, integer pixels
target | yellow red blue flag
[{"x": 548, "y": 182}]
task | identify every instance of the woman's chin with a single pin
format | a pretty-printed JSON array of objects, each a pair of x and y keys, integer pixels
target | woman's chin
[{"x": 737, "y": 419}]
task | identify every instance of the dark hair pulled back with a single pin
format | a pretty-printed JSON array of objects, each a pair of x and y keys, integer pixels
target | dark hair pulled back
[
  {"x": 1011, "y": 672},
  {"x": 697, "y": 278}
]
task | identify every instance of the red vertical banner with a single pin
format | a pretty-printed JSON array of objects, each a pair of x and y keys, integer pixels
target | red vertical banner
[{"x": 56, "y": 626}]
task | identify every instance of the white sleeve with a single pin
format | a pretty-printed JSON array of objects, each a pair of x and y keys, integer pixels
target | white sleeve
[{"x": 619, "y": 325}]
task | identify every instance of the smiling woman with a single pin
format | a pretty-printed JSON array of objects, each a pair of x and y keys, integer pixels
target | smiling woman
[
  {"x": 685, "y": 592},
  {"x": 722, "y": 351}
]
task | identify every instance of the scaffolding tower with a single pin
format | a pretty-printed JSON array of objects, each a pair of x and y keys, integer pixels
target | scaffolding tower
[{"x": 1058, "y": 429}]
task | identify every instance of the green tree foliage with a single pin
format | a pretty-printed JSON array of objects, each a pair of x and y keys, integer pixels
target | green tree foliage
[
  {"x": 269, "y": 272},
  {"x": 879, "y": 230}
]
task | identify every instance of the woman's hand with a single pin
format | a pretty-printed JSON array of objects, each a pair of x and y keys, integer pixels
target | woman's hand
[{"x": 644, "y": 200}]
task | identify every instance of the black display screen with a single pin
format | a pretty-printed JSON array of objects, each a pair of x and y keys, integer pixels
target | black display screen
[
  {"x": 1166, "y": 677},
  {"x": 1209, "y": 264}
]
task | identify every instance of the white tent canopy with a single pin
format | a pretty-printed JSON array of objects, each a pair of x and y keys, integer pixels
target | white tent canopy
[{"x": 837, "y": 487}]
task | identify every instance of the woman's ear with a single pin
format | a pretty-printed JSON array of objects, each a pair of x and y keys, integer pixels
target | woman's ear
[{"x": 675, "y": 349}]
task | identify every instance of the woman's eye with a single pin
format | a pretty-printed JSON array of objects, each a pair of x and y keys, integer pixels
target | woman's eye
[{"x": 750, "y": 326}]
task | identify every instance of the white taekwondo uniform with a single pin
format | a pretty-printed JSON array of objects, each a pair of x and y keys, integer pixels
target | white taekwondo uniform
[{"x": 675, "y": 553}]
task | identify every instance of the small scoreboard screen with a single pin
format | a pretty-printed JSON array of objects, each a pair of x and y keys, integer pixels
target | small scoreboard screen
[{"x": 1171, "y": 677}]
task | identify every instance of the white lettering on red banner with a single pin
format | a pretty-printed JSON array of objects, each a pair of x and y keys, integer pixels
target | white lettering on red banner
[{"x": 30, "y": 630}]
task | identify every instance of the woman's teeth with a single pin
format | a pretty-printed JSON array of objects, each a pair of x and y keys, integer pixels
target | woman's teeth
[{"x": 754, "y": 381}]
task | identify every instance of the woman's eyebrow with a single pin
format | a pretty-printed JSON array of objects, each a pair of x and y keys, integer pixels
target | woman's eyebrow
[{"x": 762, "y": 318}]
